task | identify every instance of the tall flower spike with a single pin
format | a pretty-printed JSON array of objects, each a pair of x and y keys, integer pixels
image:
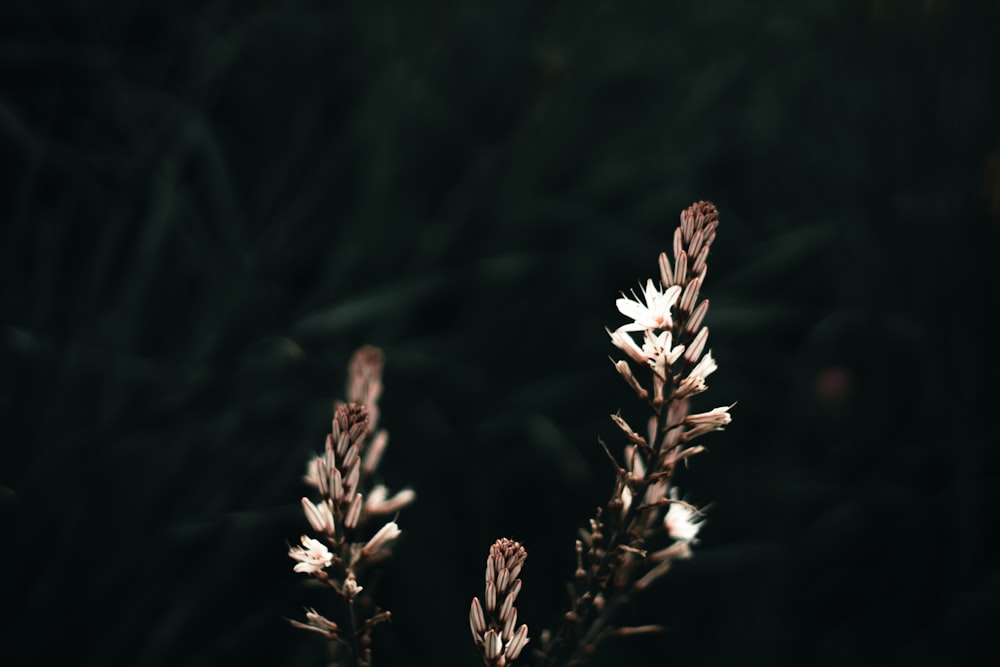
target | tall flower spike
[
  {"x": 493, "y": 630},
  {"x": 627, "y": 546},
  {"x": 342, "y": 476}
]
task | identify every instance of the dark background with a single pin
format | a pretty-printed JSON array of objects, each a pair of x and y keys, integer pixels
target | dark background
[{"x": 206, "y": 207}]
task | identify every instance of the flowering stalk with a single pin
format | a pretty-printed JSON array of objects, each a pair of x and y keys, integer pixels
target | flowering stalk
[
  {"x": 347, "y": 502},
  {"x": 645, "y": 526},
  {"x": 493, "y": 622}
]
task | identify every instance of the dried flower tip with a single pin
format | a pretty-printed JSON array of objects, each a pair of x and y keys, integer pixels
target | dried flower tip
[
  {"x": 681, "y": 521},
  {"x": 654, "y": 313},
  {"x": 312, "y": 556},
  {"x": 320, "y": 516},
  {"x": 381, "y": 539},
  {"x": 378, "y": 502},
  {"x": 626, "y": 372},
  {"x": 627, "y": 430}
]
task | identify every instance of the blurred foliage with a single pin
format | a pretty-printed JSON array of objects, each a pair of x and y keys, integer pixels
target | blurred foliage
[{"x": 207, "y": 206}]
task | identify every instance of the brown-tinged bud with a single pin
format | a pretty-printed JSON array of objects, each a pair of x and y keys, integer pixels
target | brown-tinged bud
[
  {"x": 696, "y": 317},
  {"x": 492, "y": 645},
  {"x": 477, "y": 622},
  {"x": 680, "y": 271},
  {"x": 373, "y": 455},
  {"x": 517, "y": 643},
  {"x": 689, "y": 296},
  {"x": 626, "y": 372},
  {"x": 353, "y": 512},
  {"x": 666, "y": 272},
  {"x": 491, "y": 596},
  {"x": 697, "y": 346}
]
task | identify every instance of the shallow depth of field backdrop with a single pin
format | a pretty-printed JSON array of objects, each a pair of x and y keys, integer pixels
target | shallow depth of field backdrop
[{"x": 205, "y": 207}]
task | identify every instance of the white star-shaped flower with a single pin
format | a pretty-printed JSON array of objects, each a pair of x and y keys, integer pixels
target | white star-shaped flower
[
  {"x": 313, "y": 556},
  {"x": 681, "y": 521},
  {"x": 658, "y": 348},
  {"x": 655, "y": 313}
]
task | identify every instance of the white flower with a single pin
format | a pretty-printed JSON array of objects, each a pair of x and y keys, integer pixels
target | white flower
[
  {"x": 313, "y": 556},
  {"x": 658, "y": 348},
  {"x": 655, "y": 313},
  {"x": 681, "y": 521},
  {"x": 715, "y": 417},
  {"x": 351, "y": 588},
  {"x": 379, "y": 502},
  {"x": 694, "y": 383},
  {"x": 704, "y": 368},
  {"x": 379, "y": 540},
  {"x": 626, "y": 496}
]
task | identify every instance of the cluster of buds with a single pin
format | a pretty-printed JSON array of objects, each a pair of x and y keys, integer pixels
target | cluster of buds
[
  {"x": 493, "y": 623},
  {"x": 347, "y": 500},
  {"x": 645, "y": 526}
]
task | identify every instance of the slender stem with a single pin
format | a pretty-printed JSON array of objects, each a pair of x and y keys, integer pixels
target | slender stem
[{"x": 355, "y": 639}]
